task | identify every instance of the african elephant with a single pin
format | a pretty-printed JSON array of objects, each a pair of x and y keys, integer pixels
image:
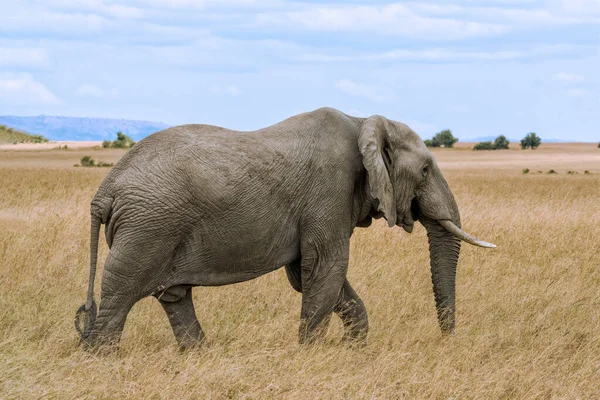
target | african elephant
[{"x": 200, "y": 205}]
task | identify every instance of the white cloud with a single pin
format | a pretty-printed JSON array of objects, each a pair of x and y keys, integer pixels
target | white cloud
[
  {"x": 448, "y": 54},
  {"x": 575, "y": 7},
  {"x": 24, "y": 90},
  {"x": 392, "y": 19},
  {"x": 32, "y": 20},
  {"x": 23, "y": 57},
  {"x": 578, "y": 93},
  {"x": 225, "y": 90},
  {"x": 96, "y": 6},
  {"x": 569, "y": 78},
  {"x": 93, "y": 91},
  {"x": 204, "y": 4},
  {"x": 370, "y": 92},
  {"x": 438, "y": 54},
  {"x": 119, "y": 11},
  {"x": 550, "y": 12}
]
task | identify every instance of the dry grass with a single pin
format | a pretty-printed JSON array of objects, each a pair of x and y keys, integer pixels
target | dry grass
[{"x": 528, "y": 324}]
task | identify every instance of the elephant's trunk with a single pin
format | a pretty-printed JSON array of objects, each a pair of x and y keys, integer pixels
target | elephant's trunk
[
  {"x": 436, "y": 208},
  {"x": 444, "y": 248}
]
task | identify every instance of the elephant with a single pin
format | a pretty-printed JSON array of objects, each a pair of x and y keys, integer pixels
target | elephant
[{"x": 201, "y": 205}]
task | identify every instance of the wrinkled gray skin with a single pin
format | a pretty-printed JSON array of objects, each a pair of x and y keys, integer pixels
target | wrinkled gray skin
[{"x": 199, "y": 205}]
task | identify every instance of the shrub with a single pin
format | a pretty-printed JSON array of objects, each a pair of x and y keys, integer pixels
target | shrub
[
  {"x": 484, "y": 146},
  {"x": 587, "y": 172},
  {"x": 552, "y": 172},
  {"x": 530, "y": 141},
  {"x": 15, "y": 136},
  {"x": 445, "y": 138},
  {"x": 87, "y": 161},
  {"x": 39, "y": 139},
  {"x": 525, "y": 170},
  {"x": 501, "y": 143},
  {"x": 432, "y": 143},
  {"x": 123, "y": 142}
]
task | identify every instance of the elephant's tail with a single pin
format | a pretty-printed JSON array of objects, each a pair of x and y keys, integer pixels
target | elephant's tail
[{"x": 86, "y": 314}]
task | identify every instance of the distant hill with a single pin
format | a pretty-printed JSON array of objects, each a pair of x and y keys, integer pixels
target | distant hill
[
  {"x": 70, "y": 128},
  {"x": 11, "y": 135}
]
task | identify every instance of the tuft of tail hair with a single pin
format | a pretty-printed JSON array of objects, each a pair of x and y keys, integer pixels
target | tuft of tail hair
[{"x": 85, "y": 318}]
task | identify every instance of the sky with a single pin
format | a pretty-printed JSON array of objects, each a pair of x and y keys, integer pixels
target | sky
[{"x": 479, "y": 68}]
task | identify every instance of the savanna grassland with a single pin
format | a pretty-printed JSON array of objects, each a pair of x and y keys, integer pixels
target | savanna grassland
[{"x": 528, "y": 319}]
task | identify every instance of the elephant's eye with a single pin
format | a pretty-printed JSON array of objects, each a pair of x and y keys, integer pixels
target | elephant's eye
[{"x": 425, "y": 170}]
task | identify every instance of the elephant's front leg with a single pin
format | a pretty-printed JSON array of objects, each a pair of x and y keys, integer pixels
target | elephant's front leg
[
  {"x": 349, "y": 307},
  {"x": 323, "y": 273},
  {"x": 353, "y": 313}
]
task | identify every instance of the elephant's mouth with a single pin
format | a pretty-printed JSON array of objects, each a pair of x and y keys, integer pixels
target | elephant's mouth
[{"x": 407, "y": 222}]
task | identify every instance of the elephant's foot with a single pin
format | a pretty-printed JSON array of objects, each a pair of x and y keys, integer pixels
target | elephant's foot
[
  {"x": 191, "y": 344},
  {"x": 313, "y": 331},
  {"x": 101, "y": 345},
  {"x": 355, "y": 338},
  {"x": 105, "y": 334},
  {"x": 189, "y": 338}
]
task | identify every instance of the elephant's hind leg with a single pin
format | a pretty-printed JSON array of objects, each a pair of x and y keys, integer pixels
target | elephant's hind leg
[
  {"x": 119, "y": 294},
  {"x": 177, "y": 303}
]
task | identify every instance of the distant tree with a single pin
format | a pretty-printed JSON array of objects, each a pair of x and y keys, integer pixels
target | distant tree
[
  {"x": 484, "y": 146},
  {"x": 445, "y": 138},
  {"x": 501, "y": 143},
  {"x": 432, "y": 142},
  {"x": 123, "y": 142},
  {"x": 599, "y": 145},
  {"x": 530, "y": 141}
]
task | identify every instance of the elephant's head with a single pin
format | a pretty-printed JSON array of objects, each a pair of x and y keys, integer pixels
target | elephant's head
[{"x": 407, "y": 185}]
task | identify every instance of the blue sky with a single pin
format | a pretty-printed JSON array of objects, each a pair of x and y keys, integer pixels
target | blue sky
[{"x": 479, "y": 68}]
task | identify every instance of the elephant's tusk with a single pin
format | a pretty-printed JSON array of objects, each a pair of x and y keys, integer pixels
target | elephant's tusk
[{"x": 459, "y": 233}]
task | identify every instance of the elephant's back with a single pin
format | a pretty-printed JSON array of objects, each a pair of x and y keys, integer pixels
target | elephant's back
[{"x": 222, "y": 161}]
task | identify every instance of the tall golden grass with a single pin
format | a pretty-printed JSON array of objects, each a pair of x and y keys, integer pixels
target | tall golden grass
[{"x": 528, "y": 319}]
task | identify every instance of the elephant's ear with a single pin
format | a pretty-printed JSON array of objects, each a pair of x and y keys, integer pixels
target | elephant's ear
[{"x": 372, "y": 140}]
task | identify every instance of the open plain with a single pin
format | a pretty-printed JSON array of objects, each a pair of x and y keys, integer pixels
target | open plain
[{"x": 528, "y": 319}]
